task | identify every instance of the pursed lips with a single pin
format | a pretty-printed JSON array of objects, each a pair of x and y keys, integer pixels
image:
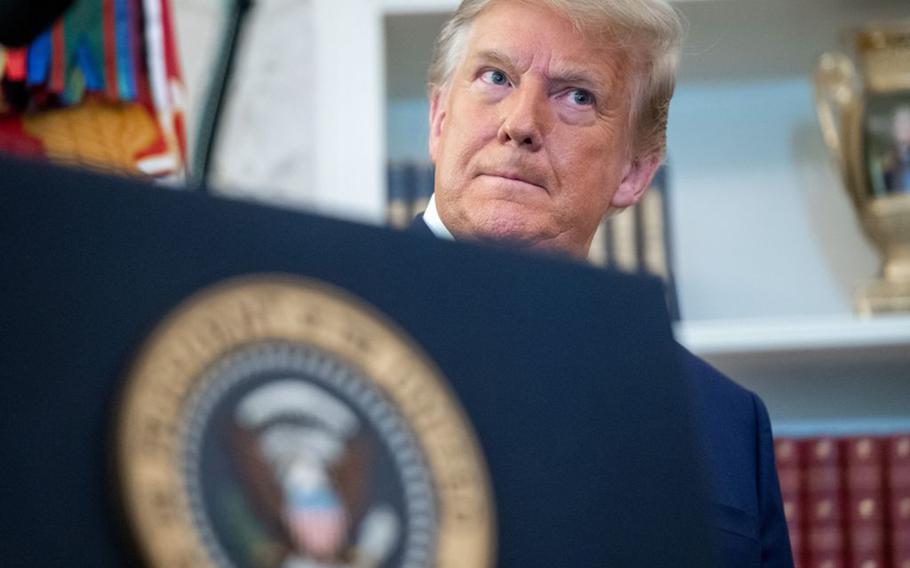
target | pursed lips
[{"x": 513, "y": 176}]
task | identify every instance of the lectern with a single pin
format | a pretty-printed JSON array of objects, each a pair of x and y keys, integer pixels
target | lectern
[{"x": 189, "y": 380}]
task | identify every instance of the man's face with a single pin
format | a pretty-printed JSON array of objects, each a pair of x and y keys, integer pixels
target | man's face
[{"x": 532, "y": 136}]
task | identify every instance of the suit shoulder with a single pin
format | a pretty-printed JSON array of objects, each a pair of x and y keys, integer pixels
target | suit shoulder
[
  {"x": 721, "y": 404},
  {"x": 706, "y": 380}
]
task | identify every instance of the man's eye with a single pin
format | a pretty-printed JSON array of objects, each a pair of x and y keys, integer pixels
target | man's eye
[
  {"x": 495, "y": 77},
  {"x": 581, "y": 97}
]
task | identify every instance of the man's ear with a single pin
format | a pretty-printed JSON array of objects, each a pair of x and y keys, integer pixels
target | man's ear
[
  {"x": 636, "y": 180},
  {"x": 437, "y": 119}
]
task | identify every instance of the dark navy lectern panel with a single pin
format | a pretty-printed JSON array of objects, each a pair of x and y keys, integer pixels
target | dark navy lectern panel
[{"x": 569, "y": 374}]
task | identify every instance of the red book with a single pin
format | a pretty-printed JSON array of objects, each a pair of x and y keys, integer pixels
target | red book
[
  {"x": 789, "y": 472},
  {"x": 864, "y": 480},
  {"x": 825, "y": 542},
  {"x": 898, "y": 465}
]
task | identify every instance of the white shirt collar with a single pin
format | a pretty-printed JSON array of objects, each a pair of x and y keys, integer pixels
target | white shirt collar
[{"x": 431, "y": 218}]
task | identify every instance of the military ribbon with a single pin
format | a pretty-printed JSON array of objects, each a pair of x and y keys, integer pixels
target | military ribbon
[
  {"x": 110, "y": 51},
  {"x": 125, "y": 32},
  {"x": 137, "y": 48},
  {"x": 39, "y": 59},
  {"x": 16, "y": 64},
  {"x": 58, "y": 58},
  {"x": 84, "y": 23}
]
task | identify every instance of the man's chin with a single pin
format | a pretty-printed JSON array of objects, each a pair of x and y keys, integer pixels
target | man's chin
[
  {"x": 504, "y": 222},
  {"x": 522, "y": 233},
  {"x": 509, "y": 232}
]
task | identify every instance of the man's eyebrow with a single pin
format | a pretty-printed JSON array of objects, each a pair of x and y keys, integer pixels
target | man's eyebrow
[
  {"x": 580, "y": 77},
  {"x": 494, "y": 56}
]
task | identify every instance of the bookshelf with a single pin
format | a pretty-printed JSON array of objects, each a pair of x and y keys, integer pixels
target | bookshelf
[{"x": 818, "y": 334}]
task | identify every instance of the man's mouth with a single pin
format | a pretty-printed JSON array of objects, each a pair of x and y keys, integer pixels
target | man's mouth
[{"x": 514, "y": 176}]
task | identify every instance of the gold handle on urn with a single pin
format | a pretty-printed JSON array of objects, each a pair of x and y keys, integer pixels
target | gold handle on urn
[{"x": 838, "y": 103}]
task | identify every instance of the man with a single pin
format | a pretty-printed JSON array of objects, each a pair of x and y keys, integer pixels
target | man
[{"x": 545, "y": 115}]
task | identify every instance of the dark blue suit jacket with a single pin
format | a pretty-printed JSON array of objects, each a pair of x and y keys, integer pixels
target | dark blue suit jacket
[{"x": 738, "y": 455}]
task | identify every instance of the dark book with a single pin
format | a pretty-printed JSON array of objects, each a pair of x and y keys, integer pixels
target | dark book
[
  {"x": 400, "y": 179},
  {"x": 898, "y": 483},
  {"x": 424, "y": 184},
  {"x": 825, "y": 540},
  {"x": 623, "y": 242},
  {"x": 789, "y": 473},
  {"x": 865, "y": 501}
]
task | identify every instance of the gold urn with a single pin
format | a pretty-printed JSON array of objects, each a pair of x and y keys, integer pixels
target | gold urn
[{"x": 865, "y": 121}]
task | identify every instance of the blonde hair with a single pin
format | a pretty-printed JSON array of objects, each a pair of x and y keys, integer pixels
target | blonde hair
[{"x": 650, "y": 32}]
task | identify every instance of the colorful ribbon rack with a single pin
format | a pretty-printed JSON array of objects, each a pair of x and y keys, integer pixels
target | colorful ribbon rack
[{"x": 100, "y": 88}]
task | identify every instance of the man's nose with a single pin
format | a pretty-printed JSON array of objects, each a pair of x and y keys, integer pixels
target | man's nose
[{"x": 525, "y": 117}]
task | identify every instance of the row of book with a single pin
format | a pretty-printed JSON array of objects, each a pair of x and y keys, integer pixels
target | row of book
[
  {"x": 847, "y": 500},
  {"x": 636, "y": 240}
]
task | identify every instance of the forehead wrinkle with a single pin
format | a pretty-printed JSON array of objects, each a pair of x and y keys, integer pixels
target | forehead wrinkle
[
  {"x": 567, "y": 74},
  {"x": 495, "y": 56}
]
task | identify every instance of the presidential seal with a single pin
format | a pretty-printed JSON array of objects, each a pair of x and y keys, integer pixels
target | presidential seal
[{"x": 279, "y": 422}]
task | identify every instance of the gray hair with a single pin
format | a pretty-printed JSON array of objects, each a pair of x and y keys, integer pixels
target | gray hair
[{"x": 649, "y": 31}]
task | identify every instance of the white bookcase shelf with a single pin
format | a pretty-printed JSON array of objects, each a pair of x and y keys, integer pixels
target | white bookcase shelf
[{"x": 810, "y": 334}]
